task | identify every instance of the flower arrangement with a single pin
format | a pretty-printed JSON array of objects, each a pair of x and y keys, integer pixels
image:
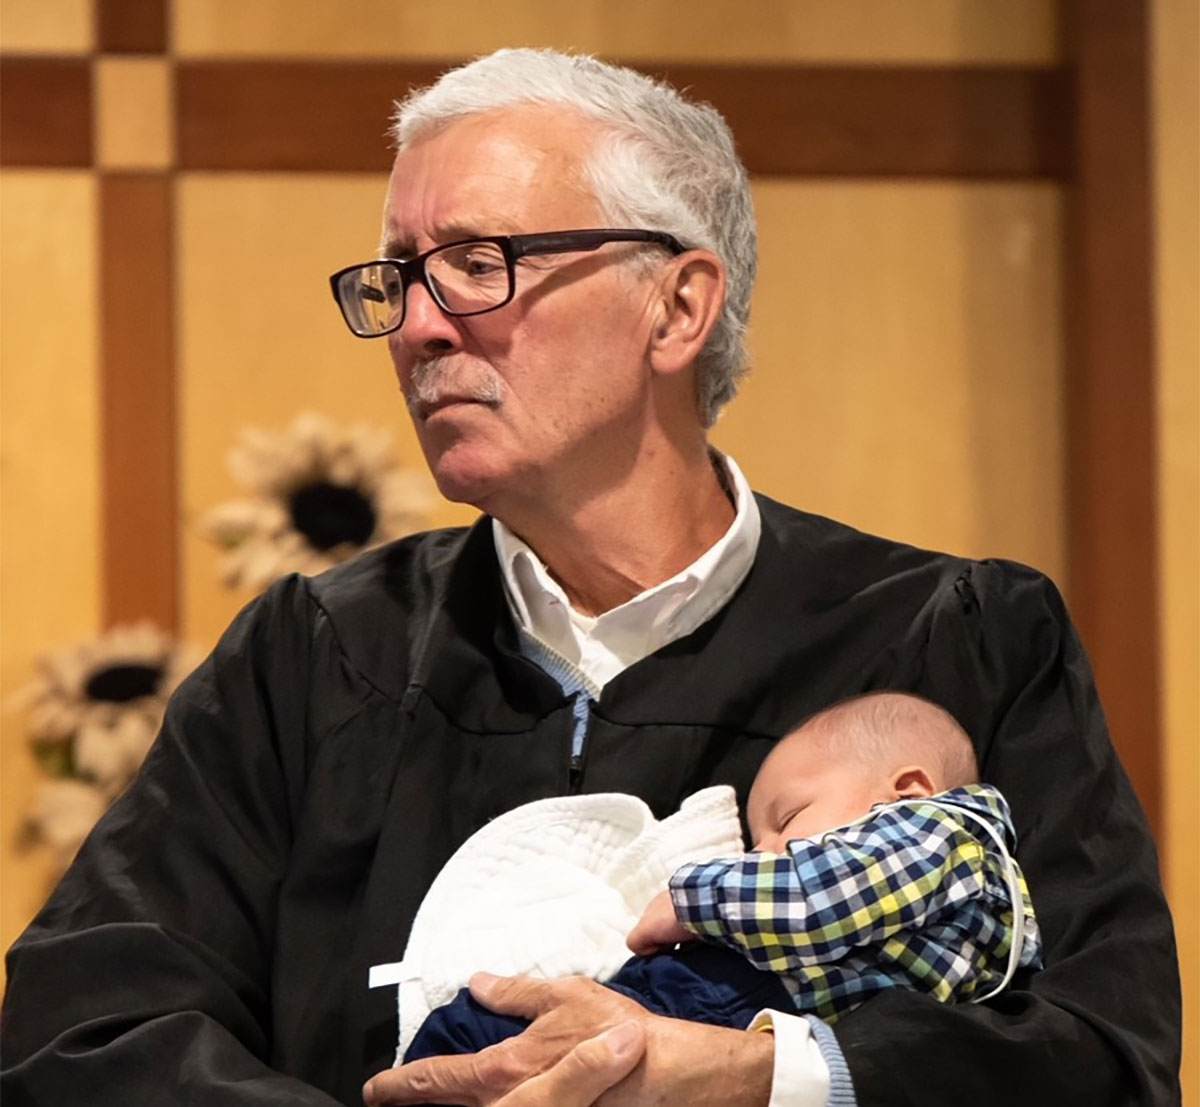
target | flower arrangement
[
  {"x": 320, "y": 495},
  {"x": 93, "y": 710}
]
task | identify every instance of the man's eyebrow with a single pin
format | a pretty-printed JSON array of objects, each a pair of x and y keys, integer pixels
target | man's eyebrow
[{"x": 397, "y": 248}]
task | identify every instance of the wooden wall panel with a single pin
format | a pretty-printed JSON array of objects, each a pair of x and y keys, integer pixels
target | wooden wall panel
[
  {"x": 36, "y": 27},
  {"x": 869, "y": 31},
  {"x": 50, "y": 509},
  {"x": 927, "y": 410}
]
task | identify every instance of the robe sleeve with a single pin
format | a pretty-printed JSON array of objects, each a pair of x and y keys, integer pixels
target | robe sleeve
[
  {"x": 1100, "y": 1023},
  {"x": 146, "y": 978}
]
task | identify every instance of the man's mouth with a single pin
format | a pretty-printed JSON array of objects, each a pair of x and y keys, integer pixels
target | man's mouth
[{"x": 425, "y": 409}]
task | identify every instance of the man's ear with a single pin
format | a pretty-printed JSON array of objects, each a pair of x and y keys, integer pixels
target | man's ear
[
  {"x": 913, "y": 782},
  {"x": 692, "y": 295}
]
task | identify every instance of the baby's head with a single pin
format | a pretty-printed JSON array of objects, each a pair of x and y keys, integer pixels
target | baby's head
[{"x": 834, "y": 768}]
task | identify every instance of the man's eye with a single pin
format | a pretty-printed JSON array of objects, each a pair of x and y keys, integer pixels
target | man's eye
[{"x": 481, "y": 263}]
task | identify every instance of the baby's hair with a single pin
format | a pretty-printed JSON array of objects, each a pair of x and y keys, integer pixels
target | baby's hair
[{"x": 886, "y": 729}]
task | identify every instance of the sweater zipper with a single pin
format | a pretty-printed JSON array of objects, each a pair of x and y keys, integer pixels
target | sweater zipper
[{"x": 582, "y": 717}]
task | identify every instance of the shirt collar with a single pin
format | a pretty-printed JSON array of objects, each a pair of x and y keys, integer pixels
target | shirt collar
[{"x": 603, "y": 645}]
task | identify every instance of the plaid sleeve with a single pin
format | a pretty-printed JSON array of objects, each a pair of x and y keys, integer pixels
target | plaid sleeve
[{"x": 828, "y": 896}]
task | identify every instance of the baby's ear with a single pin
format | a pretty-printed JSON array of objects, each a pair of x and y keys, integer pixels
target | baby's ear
[{"x": 913, "y": 782}]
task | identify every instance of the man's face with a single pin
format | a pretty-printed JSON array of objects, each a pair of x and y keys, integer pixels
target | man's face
[
  {"x": 802, "y": 790},
  {"x": 544, "y": 396}
]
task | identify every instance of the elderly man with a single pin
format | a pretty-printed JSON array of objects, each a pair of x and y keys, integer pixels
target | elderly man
[{"x": 564, "y": 287}]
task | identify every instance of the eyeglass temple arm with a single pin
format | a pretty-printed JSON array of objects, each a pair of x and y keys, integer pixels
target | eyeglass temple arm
[{"x": 588, "y": 240}]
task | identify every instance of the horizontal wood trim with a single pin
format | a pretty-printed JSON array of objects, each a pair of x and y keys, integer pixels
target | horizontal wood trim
[
  {"x": 789, "y": 120},
  {"x": 138, "y": 399},
  {"x": 45, "y": 112},
  {"x": 291, "y": 116},
  {"x": 131, "y": 26},
  {"x": 891, "y": 122}
]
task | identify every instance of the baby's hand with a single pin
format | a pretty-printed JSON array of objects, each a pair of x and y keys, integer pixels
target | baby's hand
[{"x": 657, "y": 928}]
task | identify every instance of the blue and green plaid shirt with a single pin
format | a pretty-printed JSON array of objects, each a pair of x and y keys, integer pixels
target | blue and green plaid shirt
[{"x": 915, "y": 895}]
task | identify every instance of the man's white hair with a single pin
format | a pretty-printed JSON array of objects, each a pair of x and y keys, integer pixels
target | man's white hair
[{"x": 661, "y": 163}]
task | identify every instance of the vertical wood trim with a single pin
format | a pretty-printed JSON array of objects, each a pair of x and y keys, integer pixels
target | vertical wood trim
[
  {"x": 140, "y": 544},
  {"x": 1111, "y": 467},
  {"x": 131, "y": 26}
]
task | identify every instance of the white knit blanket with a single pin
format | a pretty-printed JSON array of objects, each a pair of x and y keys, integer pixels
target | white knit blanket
[{"x": 550, "y": 889}]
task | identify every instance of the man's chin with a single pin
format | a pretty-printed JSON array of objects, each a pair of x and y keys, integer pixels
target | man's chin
[{"x": 463, "y": 483}]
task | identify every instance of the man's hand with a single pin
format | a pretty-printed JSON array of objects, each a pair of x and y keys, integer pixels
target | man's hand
[
  {"x": 702, "y": 1066},
  {"x": 658, "y": 928},
  {"x": 578, "y": 1080}
]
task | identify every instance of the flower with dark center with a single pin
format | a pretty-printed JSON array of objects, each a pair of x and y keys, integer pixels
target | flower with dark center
[
  {"x": 329, "y": 514},
  {"x": 92, "y": 712},
  {"x": 123, "y": 682},
  {"x": 319, "y": 496}
]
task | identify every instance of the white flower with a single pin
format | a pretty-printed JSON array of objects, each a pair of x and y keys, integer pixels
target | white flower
[
  {"x": 320, "y": 495},
  {"x": 94, "y": 708}
]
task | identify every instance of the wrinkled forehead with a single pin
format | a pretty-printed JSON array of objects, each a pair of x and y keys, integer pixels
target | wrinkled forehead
[{"x": 498, "y": 172}]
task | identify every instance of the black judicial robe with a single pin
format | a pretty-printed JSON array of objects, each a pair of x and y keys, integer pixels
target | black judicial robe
[{"x": 211, "y": 943}]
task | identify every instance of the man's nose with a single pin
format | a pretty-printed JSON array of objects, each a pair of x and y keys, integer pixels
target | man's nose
[{"x": 427, "y": 329}]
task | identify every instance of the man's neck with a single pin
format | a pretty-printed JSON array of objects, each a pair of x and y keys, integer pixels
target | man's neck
[{"x": 622, "y": 540}]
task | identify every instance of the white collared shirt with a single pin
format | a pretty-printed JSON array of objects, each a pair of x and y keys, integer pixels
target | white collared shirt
[{"x": 601, "y": 646}]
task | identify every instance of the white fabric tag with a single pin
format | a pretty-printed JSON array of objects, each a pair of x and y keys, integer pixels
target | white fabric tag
[{"x": 381, "y": 975}]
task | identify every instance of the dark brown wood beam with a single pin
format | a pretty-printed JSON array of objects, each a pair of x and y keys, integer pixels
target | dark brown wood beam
[
  {"x": 45, "y": 112},
  {"x": 1110, "y": 396},
  {"x": 131, "y": 26},
  {"x": 789, "y": 120},
  {"x": 879, "y": 121},
  {"x": 138, "y": 424}
]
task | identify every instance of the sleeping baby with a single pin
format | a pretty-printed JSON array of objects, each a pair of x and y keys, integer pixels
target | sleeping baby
[{"x": 879, "y": 862}]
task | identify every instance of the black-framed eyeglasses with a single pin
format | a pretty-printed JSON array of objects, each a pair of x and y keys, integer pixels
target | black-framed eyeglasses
[{"x": 464, "y": 278}]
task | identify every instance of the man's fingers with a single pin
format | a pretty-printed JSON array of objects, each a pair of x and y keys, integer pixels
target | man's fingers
[
  {"x": 473, "y": 1078},
  {"x": 584, "y": 1074},
  {"x": 525, "y": 996},
  {"x": 576, "y": 1080}
]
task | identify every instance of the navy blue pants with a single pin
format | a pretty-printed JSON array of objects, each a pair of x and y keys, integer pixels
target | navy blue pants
[{"x": 698, "y": 982}]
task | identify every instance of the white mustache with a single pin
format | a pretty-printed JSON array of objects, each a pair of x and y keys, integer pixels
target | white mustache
[{"x": 439, "y": 378}]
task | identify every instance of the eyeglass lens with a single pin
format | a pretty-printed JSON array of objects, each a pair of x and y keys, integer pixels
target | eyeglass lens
[{"x": 465, "y": 278}]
